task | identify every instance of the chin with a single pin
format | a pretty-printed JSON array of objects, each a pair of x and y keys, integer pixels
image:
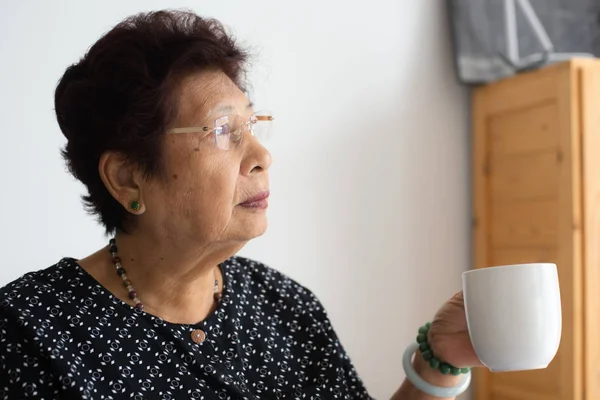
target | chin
[
  {"x": 256, "y": 229},
  {"x": 246, "y": 226}
]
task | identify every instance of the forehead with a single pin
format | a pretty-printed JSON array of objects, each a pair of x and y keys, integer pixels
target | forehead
[{"x": 206, "y": 94}]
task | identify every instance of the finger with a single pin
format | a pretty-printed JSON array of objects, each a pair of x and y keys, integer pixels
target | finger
[
  {"x": 458, "y": 296},
  {"x": 455, "y": 349}
]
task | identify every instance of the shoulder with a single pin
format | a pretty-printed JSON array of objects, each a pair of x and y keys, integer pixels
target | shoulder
[
  {"x": 33, "y": 289},
  {"x": 41, "y": 280},
  {"x": 256, "y": 277},
  {"x": 28, "y": 330}
]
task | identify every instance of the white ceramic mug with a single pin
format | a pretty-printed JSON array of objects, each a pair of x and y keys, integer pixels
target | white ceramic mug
[{"x": 514, "y": 315}]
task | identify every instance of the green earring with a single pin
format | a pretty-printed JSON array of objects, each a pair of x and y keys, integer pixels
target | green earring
[{"x": 135, "y": 205}]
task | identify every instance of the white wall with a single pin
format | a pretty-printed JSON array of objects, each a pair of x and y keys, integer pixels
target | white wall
[{"x": 370, "y": 203}]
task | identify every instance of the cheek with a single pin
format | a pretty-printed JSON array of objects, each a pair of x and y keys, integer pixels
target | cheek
[{"x": 206, "y": 189}]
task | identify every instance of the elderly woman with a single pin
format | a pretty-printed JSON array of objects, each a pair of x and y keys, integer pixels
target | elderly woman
[{"x": 161, "y": 134}]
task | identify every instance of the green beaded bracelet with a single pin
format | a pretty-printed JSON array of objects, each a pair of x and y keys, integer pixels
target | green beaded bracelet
[{"x": 433, "y": 361}]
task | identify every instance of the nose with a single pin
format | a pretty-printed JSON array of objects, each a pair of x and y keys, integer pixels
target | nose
[{"x": 257, "y": 158}]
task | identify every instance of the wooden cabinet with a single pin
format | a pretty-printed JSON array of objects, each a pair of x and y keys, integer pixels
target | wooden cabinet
[{"x": 536, "y": 184}]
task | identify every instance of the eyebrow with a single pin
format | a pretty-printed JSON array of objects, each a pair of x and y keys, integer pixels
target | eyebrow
[{"x": 229, "y": 108}]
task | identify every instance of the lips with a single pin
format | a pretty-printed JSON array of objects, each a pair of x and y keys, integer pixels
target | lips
[{"x": 258, "y": 201}]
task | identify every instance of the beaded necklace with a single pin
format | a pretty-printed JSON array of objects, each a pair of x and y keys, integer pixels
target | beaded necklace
[{"x": 127, "y": 283}]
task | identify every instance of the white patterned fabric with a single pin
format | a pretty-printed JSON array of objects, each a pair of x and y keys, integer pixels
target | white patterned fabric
[{"x": 63, "y": 335}]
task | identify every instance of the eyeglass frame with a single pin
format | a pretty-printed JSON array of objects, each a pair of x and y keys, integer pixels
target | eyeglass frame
[{"x": 209, "y": 130}]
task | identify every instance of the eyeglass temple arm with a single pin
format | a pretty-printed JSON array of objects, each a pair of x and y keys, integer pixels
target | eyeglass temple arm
[{"x": 191, "y": 129}]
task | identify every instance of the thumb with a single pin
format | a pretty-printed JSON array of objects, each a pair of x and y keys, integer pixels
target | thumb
[{"x": 455, "y": 349}]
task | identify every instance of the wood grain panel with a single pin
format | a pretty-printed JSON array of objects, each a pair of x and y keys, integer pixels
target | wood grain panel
[
  {"x": 533, "y": 382},
  {"x": 527, "y": 176},
  {"x": 570, "y": 248},
  {"x": 481, "y": 99},
  {"x": 508, "y": 393},
  {"x": 530, "y": 209},
  {"x": 590, "y": 86},
  {"x": 524, "y": 130},
  {"x": 524, "y": 223},
  {"x": 526, "y": 90},
  {"x": 507, "y": 256}
]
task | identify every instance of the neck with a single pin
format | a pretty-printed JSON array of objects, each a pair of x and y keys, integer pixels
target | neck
[{"x": 174, "y": 281}]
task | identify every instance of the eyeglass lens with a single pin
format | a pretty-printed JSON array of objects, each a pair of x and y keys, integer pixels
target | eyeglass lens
[{"x": 230, "y": 129}]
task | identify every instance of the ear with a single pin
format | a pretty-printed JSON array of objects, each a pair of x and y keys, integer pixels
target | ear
[{"x": 124, "y": 181}]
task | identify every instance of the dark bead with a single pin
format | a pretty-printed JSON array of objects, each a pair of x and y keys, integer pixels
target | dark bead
[
  {"x": 132, "y": 294},
  {"x": 120, "y": 271},
  {"x": 116, "y": 260},
  {"x": 434, "y": 363},
  {"x": 113, "y": 249},
  {"x": 421, "y": 338},
  {"x": 139, "y": 306},
  {"x": 126, "y": 282},
  {"x": 218, "y": 297},
  {"x": 464, "y": 370},
  {"x": 423, "y": 346},
  {"x": 445, "y": 368},
  {"x": 423, "y": 329},
  {"x": 427, "y": 355},
  {"x": 112, "y": 241},
  {"x": 428, "y": 325},
  {"x": 455, "y": 371}
]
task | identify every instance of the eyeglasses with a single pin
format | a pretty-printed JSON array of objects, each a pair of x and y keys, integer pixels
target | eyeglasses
[{"x": 230, "y": 129}]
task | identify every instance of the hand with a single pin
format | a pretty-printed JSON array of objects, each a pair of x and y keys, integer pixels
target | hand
[{"x": 449, "y": 337}]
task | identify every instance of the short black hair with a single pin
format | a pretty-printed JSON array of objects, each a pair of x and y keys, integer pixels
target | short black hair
[{"x": 121, "y": 95}]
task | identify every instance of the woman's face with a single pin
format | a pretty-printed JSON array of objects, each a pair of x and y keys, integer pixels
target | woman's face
[{"x": 203, "y": 197}]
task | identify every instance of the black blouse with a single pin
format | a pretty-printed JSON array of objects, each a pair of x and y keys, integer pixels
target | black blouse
[{"x": 63, "y": 335}]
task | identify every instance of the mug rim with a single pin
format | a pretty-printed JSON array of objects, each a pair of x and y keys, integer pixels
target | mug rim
[{"x": 508, "y": 266}]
